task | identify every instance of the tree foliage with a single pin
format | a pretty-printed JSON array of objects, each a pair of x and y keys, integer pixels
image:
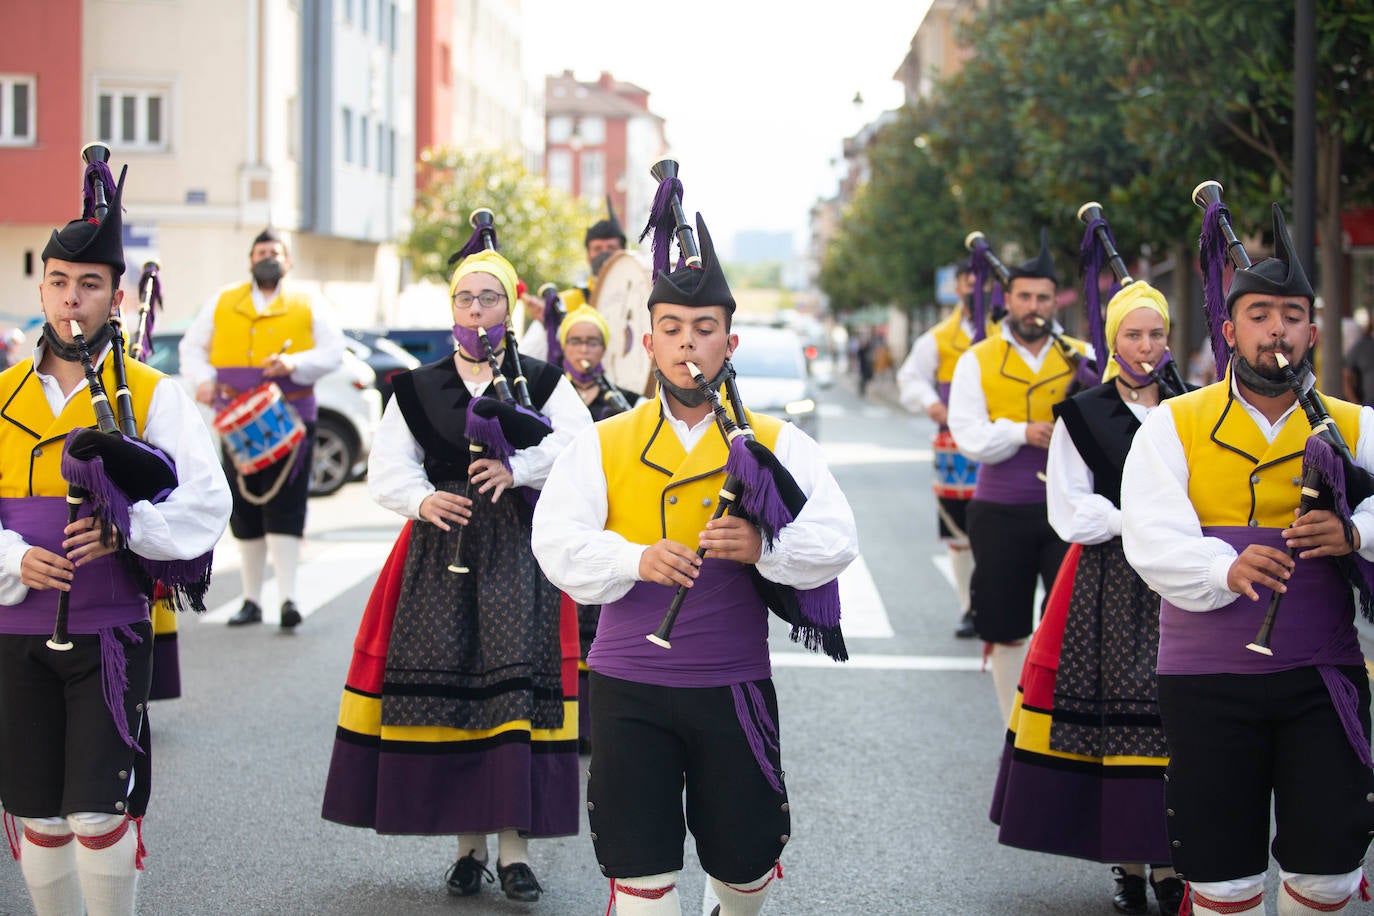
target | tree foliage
[{"x": 540, "y": 228}]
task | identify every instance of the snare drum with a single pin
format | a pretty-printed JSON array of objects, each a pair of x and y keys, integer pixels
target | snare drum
[
  {"x": 955, "y": 475},
  {"x": 259, "y": 428}
]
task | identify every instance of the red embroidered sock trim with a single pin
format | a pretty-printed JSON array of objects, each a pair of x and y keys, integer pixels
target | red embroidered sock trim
[
  {"x": 1314, "y": 904},
  {"x": 106, "y": 840},
  {"x": 1230, "y": 906},
  {"x": 47, "y": 840},
  {"x": 646, "y": 893},
  {"x": 12, "y": 833}
]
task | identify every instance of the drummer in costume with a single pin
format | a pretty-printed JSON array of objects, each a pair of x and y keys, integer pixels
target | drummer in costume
[
  {"x": 604, "y": 238},
  {"x": 923, "y": 385},
  {"x": 1208, "y": 498},
  {"x": 1000, "y": 404},
  {"x": 621, "y": 515},
  {"x": 460, "y": 711},
  {"x": 583, "y": 335},
  {"x": 75, "y": 767},
  {"x": 1083, "y": 769},
  {"x": 254, "y": 332}
]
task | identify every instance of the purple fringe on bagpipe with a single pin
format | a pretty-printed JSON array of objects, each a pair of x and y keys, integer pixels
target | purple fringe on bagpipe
[
  {"x": 154, "y": 304},
  {"x": 96, "y": 171},
  {"x": 474, "y": 244},
  {"x": 981, "y": 271},
  {"x": 758, "y": 727},
  {"x": 1319, "y": 455},
  {"x": 551, "y": 312},
  {"x": 662, "y": 223},
  {"x": 114, "y": 679},
  {"x": 1092, "y": 258},
  {"x": 1212, "y": 245},
  {"x": 488, "y": 433}
]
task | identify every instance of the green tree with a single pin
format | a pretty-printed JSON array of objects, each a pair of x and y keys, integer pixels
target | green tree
[{"x": 540, "y": 228}]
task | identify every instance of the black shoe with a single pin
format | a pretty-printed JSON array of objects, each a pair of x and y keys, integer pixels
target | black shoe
[
  {"x": 464, "y": 878},
  {"x": 1130, "y": 893},
  {"x": 1170, "y": 892},
  {"x": 518, "y": 882},
  {"x": 290, "y": 617},
  {"x": 249, "y": 613},
  {"x": 966, "y": 629}
]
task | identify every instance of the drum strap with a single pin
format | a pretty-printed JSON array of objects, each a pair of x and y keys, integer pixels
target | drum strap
[
  {"x": 287, "y": 464},
  {"x": 959, "y": 533}
]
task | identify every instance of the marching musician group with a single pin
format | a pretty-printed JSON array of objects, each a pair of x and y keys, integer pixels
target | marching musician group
[{"x": 588, "y": 555}]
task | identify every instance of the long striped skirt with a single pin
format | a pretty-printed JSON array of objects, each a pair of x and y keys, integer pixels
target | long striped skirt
[
  {"x": 440, "y": 732},
  {"x": 1082, "y": 771}
]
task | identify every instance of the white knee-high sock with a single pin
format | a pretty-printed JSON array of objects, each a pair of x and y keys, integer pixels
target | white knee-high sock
[
  {"x": 47, "y": 860},
  {"x": 254, "y": 555},
  {"x": 107, "y": 863},
  {"x": 651, "y": 895},
  {"x": 1300, "y": 894},
  {"x": 286, "y": 559},
  {"x": 744, "y": 899},
  {"x": 1006, "y": 661},
  {"x": 473, "y": 844},
  {"x": 1240, "y": 895},
  {"x": 961, "y": 565},
  {"x": 511, "y": 847}
]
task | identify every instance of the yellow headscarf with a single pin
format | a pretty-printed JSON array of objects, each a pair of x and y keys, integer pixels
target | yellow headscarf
[
  {"x": 487, "y": 262},
  {"x": 584, "y": 315},
  {"x": 1138, "y": 295}
]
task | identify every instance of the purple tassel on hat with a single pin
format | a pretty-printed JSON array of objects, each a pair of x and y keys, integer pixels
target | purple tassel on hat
[
  {"x": 1091, "y": 258},
  {"x": 662, "y": 223},
  {"x": 1212, "y": 248}
]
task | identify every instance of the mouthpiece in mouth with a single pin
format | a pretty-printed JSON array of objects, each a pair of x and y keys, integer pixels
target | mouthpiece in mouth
[
  {"x": 76, "y": 329},
  {"x": 1278, "y": 358},
  {"x": 1147, "y": 367},
  {"x": 692, "y": 368},
  {"x": 1040, "y": 322},
  {"x": 586, "y": 365}
]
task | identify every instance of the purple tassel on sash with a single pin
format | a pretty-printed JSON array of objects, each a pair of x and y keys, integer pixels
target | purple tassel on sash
[
  {"x": 1346, "y": 700},
  {"x": 1091, "y": 257},
  {"x": 662, "y": 224},
  {"x": 758, "y": 729},
  {"x": 114, "y": 679},
  {"x": 1212, "y": 246}
]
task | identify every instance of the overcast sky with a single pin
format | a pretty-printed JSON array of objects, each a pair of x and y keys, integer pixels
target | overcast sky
[{"x": 757, "y": 94}]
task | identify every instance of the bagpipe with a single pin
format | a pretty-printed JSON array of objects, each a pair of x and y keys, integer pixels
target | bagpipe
[
  {"x": 554, "y": 313},
  {"x": 984, "y": 261},
  {"x": 110, "y": 466},
  {"x": 1097, "y": 242},
  {"x": 496, "y": 427},
  {"x": 1331, "y": 479},
  {"x": 149, "y": 304},
  {"x": 757, "y": 486},
  {"x": 612, "y": 394}
]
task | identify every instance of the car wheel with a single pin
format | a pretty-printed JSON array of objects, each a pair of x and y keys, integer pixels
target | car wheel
[{"x": 336, "y": 452}]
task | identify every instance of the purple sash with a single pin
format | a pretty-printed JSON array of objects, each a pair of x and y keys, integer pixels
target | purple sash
[
  {"x": 1315, "y": 623},
  {"x": 1014, "y": 480},
  {"x": 720, "y": 637},
  {"x": 103, "y": 594},
  {"x": 244, "y": 379}
]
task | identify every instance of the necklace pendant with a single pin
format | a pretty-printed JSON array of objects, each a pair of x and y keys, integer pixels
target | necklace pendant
[
  {"x": 1135, "y": 395},
  {"x": 476, "y": 368}
]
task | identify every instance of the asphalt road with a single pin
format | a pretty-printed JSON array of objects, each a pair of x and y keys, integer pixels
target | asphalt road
[{"x": 890, "y": 758}]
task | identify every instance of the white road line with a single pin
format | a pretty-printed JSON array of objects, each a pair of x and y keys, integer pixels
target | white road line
[
  {"x": 879, "y": 662},
  {"x": 328, "y": 573},
  {"x": 862, "y": 610},
  {"x": 838, "y": 454}
]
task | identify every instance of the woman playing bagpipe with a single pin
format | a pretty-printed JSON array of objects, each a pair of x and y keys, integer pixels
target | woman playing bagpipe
[
  {"x": 1082, "y": 770},
  {"x": 91, "y": 517},
  {"x": 625, "y": 520},
  {"x": 1235, "y": 500},
  {"x": 460, "y": 711}
]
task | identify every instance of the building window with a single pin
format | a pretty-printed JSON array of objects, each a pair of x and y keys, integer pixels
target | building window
[
  {"x": 348, "y": 134},
  {"x": 17, "y": 110},
  {"x": 383, "y": 165},
  {"x": 391, "y": 11},
  {"x": 363, "y": 21},
  {"x": 391, "y": 151},
  {"x": 592, "y": 131},
  {"x": 362, "y": 141},
  {"x": 560, "y": 170},
  {"x": 560, "y": 129},
  {"x": 135, "y": 119},
  {"x": 593, "y": 175}
]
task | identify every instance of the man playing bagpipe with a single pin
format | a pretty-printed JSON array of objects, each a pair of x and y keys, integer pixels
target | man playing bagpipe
[
  {"x": 615, "y": 526},
  {"x": 1000, "y": 403},
  {"x": 1259, "y": 716},
  {"x": 75, "y": 768}
]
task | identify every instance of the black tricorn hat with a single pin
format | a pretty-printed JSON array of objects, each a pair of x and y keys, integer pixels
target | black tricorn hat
[
  {"x": 608, "y": 228},
  {"x": 1041, "y": 267},
  {"x": 695, "y": 286},
  {"x": 1282, "y": 275},
  {"x": 86, "y": 241}
]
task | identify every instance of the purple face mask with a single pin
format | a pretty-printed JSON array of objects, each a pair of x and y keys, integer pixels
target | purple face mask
[{"x": 472, "y": 345}]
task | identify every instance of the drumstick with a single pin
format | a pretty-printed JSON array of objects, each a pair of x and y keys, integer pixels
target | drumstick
[{"x": 276, "y": 357}]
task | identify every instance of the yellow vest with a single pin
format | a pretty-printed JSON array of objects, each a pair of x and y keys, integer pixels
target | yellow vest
[
  {"x": 573, "y": 299},
  {"x": 31, "y": 438},
  {"x": 1015, "y": 393},
  {"x": 657, "y": 490},
  {"x": 243, "y": 337},
  {"x": 1225, "y": 449},
  {"x": 951, "y": 340}
]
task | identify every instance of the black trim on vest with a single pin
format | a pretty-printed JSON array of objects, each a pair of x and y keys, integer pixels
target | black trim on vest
[{"x": 1101, "y": 427}]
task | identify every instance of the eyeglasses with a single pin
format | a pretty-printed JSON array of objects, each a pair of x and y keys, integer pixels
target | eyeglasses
[
  {"x": 591, "y": 343},
  {"x": 487, "y": 298}
]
